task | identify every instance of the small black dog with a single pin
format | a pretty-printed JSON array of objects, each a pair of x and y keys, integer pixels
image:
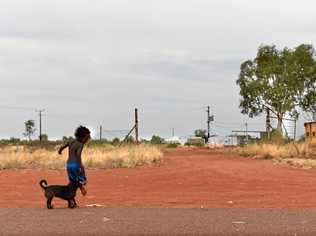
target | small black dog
[{"x": 66, "y": 192}]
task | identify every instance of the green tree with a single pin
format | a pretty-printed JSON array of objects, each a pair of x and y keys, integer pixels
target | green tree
[
  {"x": 130, "y": 139},
  {"x": 279, "y": 80},
  {"x": 14, "y": 140},
  {"x": 277, "y": 137},
  {"x": 67, "y": 139},
  {"x": 308, "y": 101},
  {"x": 116, "y": 141},
  {"x": 29, "y": 128},
  {"x": 200, "y": 133},
  {"x": 44, "y": 137},
  {"x": 156, "y": 140}
]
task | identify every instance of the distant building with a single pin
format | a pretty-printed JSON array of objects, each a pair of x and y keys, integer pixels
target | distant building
[
  {"x": 217, "y": 140},
  {"x": 240, "y": 139},
  {"x": 310, "y": 133},
  {"x": 174, "y": 139},
  {"x": 196, "y": 141},
  {"x": 231, "y": 140}
]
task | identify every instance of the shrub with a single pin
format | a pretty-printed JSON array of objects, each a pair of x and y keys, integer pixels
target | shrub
[
  {"x": 172, "y": 145},
  {"x": 291, "y": 150},
  {"x": 156, "y": 140},
  {"x": 22, "y": 157}
]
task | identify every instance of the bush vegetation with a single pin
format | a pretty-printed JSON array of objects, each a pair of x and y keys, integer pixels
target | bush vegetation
[
  {"x": 94, "y": 156},
  {"x": 294, "y": 153}
]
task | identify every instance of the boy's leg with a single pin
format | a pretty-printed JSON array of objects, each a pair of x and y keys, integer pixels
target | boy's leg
[
  {"x": 82, "y": 181},
  {"x": 77, "y": 175},
  {"x": 83, "y": 190}
]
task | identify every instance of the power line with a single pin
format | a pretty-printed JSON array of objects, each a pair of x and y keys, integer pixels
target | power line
[
  {"x": 228, "y": 127},
  {"x": 238, "y": 123},
  {"x": 117, "y": 131},
  {"x": 174, "y": 109},
  {"x": 208, "y": 123},
  {"x": 18, "y": 108}
]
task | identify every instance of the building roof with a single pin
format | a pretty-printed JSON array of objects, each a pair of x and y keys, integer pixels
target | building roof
[
  {"x": 174, "y": 139},
  {"x": 311, "y": 122}
]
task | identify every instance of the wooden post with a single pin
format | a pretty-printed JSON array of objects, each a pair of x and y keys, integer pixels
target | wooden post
[
  {"x": 100, "y": 132},
  {"x": 208, "y": 124},
  {"x": 40, "y": 123},
  {"x": 136, "y": 125}
]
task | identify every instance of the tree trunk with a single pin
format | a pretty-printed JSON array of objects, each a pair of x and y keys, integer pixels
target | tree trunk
[{"x": 280, "y": 119}]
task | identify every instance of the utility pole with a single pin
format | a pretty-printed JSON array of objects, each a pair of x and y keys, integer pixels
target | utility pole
[
  {"x": 40, "y": 123},
  {"x": 172, "y": 132},
  {"x": 209, "y": 120},
  {"x": 208, "y": 124},
  {"x": 136, "y": 125},
  {"x": 100, "y": 132}
]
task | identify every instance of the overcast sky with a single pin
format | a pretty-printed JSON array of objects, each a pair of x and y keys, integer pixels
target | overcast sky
[{"x": 92, "y": 62}]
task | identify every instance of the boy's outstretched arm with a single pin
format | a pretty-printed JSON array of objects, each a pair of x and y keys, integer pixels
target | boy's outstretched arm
[{"x": 60, "y": 151}]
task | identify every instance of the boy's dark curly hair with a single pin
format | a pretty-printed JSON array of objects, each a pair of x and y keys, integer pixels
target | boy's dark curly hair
[{"x": 81, "y": 132}]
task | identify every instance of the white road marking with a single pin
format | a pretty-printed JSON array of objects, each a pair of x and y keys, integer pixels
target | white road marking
[
  {"x": 105, "y": 219},
  {"x": 94, "y": 205},
  {"x": 239, "y": 222}
]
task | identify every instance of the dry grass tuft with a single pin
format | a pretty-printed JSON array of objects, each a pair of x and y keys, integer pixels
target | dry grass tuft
[
  {"x": 297, "y": 162},
  {"x": 296, "y": 154},
  {"x": 93, "y": 157}
]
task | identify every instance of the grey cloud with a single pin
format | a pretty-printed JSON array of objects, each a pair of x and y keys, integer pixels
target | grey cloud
[
  {"x": 198, "y": 70},
  {"x": 94, "y": 61}
]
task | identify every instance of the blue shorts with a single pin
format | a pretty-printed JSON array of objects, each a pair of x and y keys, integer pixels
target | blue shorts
[{"x": 76, "y": 173}]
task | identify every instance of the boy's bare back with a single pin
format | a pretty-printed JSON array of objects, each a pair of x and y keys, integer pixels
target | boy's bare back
[{"x": 75, "y": 149}]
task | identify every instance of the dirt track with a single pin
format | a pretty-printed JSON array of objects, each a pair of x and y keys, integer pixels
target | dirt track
[{"x": 186, "y": 178}]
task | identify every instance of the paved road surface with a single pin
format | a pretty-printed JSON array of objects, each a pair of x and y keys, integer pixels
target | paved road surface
[{"x": 153, "y": 221}]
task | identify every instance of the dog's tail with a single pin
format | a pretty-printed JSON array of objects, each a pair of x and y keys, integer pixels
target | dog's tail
[{"x": 42, "y": 182}]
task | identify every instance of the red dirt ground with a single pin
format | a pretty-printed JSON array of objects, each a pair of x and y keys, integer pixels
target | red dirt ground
[{"x": 186, "y": 178}]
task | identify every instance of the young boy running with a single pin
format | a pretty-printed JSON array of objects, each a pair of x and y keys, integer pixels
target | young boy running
[{"x": 75, "y": 169}]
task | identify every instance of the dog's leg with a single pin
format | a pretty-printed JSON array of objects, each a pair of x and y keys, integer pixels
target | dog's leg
[
  {"x": 70, "y": 204},
  {"x": 49, "y": 203},
  {"x": 75, "y": 202}
]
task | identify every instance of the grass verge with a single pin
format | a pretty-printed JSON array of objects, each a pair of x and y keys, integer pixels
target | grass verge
[
  {"x": 103, "y": 157},
  {"x": 294, "y": 154}
]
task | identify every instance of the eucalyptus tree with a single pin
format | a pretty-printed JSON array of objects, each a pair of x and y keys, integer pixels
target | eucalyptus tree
[
  {"x": 29, "y": 128},
  {"x": 280, "y": 80}
]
